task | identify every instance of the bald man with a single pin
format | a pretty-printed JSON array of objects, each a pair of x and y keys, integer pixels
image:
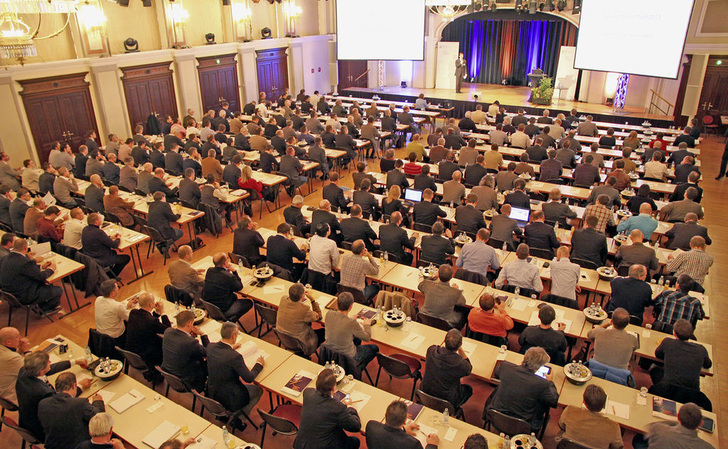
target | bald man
[
  {"x": 324, "y": 215},
  {"x": 94, "y": 195},
  {"x": 142, "y": 328},
  {"x": 12, "y": 349},
  {"x": 644, "y": 222},
  {"x": 222, "y": 282},
  {"x": 183, "y": 276},
  {"x": 636, "y": 252}
]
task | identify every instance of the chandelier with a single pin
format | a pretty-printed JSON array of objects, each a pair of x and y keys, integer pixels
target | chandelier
[
  {"x": 16, "y": 37},
  {"x": 447, "y": 9},
  {"x": 38, "y": 6}
]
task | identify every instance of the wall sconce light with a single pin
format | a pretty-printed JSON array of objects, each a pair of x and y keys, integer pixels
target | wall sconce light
[
  {"x": 92, "y": 22},
  {"x": 178, "y": 16},
  {"x": 291, "y": 11},
  {"x": 242, "y": 21},
  {"x": 131, "y": 45}
]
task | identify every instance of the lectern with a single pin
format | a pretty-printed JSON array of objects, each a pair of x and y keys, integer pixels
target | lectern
[{"x": 534, "y": 78}]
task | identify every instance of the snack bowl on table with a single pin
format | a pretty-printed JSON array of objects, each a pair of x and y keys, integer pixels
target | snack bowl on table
[
  {"x": 577, "y": 373},
  {"x": 394, "y": 318},
  {"x": 430, "y": 272},
  {"x": 109, "y": 369},
  {"x": 606, "y": 273},
  {"x": 462, "y": 239},
  {"x": 624, "y": 213},
  {"x": 620, "y": 238},
  {"x": 263, "y": 273},
  {"x": 200, "y": 316},
  {"x": 595, "y": 315}
]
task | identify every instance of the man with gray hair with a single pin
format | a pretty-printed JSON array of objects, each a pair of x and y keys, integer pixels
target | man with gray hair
[
  {"x": 183, "y": 276},
  {"x": 227, "y": 371},
  {"x": 63, "y": 185},
  {"x": 520, "y": 273},
  {"x": 65, "y": 417},
  {"x": 613, "y": 345},
  {"x": 100, "y": 428},
  {"x": 144, "y": 324},
  {"x": 446, "y": 364},
  {"x": 522, "y": 393},
  {"x": 12, "y": 348},
  {"x": 293, "y": 216}
]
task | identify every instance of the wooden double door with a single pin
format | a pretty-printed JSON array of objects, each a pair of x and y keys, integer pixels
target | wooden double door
[
  {"x": 149, "y": 89},
  {"x": 272, "y": 72},
  {"x": 714, "y": 96},
  {"x": 352, "y": 74},
  {"x": 58, "y": 109},
  {"x": 219, "y": 82}
]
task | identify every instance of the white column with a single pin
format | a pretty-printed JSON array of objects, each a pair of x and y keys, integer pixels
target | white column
[
  {"x": 15, "y": 137},
  {"x": 188, "y": 83}
]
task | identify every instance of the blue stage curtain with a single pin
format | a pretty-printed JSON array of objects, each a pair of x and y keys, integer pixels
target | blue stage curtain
[{"x": 498, "y": 50}]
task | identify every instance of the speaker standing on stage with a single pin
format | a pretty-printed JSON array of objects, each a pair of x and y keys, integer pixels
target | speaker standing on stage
[{"x": 460, "y": 72}]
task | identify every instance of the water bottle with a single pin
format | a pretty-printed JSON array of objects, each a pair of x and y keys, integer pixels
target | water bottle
[
  {"x": 532, "y": 440},
  {"x": 517, "y": 292},
  {"x": 445, "y": 417},
  {"x": 507, "y": 442},
  {"x": 327, "y": 365},
  {"x": 501, "y": 440},
  {"x": 505, "y": 247},
  {"x": 226, "y": 438},
  {"x": 379, "y": 313},
  {"x": 176, "y": 308},
  {"x": 89, "y": 356}
]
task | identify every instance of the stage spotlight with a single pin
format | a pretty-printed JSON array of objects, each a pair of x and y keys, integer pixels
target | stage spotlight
[
  {"x": 210, "y": 38},
  {"x": 577, "y": 7},
  {"x": 561, "y": 5},
  {"x": 550, "y": 5},
  {"x": 532, "y": 4},
  {"x": 131, "y": 45}
]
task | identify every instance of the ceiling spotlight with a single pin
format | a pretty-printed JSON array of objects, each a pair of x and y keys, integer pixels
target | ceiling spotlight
[
  {"x": 532, "y": 4},
  {"x": 550, "y": 6},
  {"x": 561, "y": 5},
  {"x": 131, "y": 45},
  {"x": 577, "y": 7}
]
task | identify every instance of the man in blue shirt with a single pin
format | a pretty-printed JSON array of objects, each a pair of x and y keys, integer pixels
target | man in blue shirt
[
  {"x": 477, "y": 256},
  {"x": 644, "y": 222}
]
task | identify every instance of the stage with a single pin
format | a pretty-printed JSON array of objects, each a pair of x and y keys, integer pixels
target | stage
[{"x": 510, "y": 97}]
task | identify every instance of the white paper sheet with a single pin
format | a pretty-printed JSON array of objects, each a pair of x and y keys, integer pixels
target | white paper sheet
[
  {"x": 617, "y": 409},
  {"x": 250, "y": 352},
  {"x": 127, "y": 401},
  {"x": 106, "y": 395},
  {"x": 162, "y": 433},
  {"x": 450, "y": 434},
  {"x": 203, "y": 442},
  {"x": 359, "y": 400},
  {"x": 469, "y": 348},
  {"x": 413, "y": 341},
  {"x": 269, "y": 290},
  {"x": 519, "y": 304}
]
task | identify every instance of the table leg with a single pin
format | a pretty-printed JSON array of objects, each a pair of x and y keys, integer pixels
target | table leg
[
  {"x": 132, "y": 251},
  {"x": 68, "y": 299}
]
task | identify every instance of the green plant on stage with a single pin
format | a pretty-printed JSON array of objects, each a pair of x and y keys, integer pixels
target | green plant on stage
[{"x": 543, "y": 92}]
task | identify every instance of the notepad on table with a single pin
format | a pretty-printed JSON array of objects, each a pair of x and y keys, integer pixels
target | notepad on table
[
  {"x": 469, "y": 348},
  {"x": 617, "y": 409},
  {"x": 160, "y": 434},
  {"x": 203, "y": 442},
  {"x": 298, "y": 382},
  {"x": 424, "y": 432},
  {"x": 413, "y": 341},
  {"x": 106, "y": 395},
  {"x": 519, "y": 304},
  {"x": 450, "y": 434},
  {"x": 136, "y": 238},
  {"x": 126, "y": 401},
  {"x": 250, "y": 352},
  {"x": 269, "y": 290}
]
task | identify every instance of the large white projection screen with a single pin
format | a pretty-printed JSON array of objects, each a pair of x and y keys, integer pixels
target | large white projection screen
[
  {"x": 640, "y": 37},
  {"x": 380, "y": 29}
]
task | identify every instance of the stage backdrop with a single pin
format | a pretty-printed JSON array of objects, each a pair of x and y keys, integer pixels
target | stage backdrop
[
  {"x": 447, "y": 53},
  {"x": 506, "y": 47}
]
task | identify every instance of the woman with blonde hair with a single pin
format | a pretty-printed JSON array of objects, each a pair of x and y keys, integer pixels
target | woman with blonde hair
[{"x": 391, "y": 203}]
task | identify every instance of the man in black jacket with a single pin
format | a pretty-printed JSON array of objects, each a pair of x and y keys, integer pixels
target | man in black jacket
[
  {"x": 157, "y": 184},
  {"x": 445, "y": 366},
  {"x": 424, "y": 180},
  {"x": 393, "y": 239},
  {"x": 324, "y": 419},
  {"x": 394, "y": 433},
  {"x": 231, "y": 172},
  {"x": 518, "y": 198},
  {"x": 426, "y": 212},
  {"x": 536, "y": 152},
  {"x": 540, "y": 235},
  {"x": 335, "y": 194},
  {"x": 396, "y": 177},
  {"x": 142, "y": 328},
  {"x": 589, "y": 244},
  {"x": 221, "y": 284},
  {"x": 293, "y": 216},
  {"x": 227, "y": 370},
  {"x": 447, "y": 167},
  {"x": 247, "y": 241},
  {"x": 161, "y": 217},
  {"x": 182, "y": 355},
  {"x": 23, "y": 278},
  {"x": 173, "y": 160},
  {"x": 317, "y": 153},
  {"x": 282, "y": 250},
  {"x": 79, "y": 169},
  {"x": 323, "y": 215},
  {"x": 631, "y": 293},
  {"x": 344, "y": 141},
  {"x": 681, "y": 233},
  {"x": 454, "y": 141},
  {"x": 94, "y": 194},
  {"x": 468, "y": 218},
  {"x": 17, "y": 210},
  {"x": 156, "y": 157},
  {"x": 140, "y": 154},
  {"x": 189, "y": 190},
  {"x": 97, "y": 244},
  {"x": 366, "y": 200},
  {"x": 436, "y": 247},
  {"x": 268, "y": 162},
  {"x": 64, "y": 417},
  {"x": 355, "y": 228},
  {"x": 32, "y": 386}
]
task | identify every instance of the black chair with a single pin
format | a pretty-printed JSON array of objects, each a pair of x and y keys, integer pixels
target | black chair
[
  {"x": 326, "y": 353},
  {"x": 681, "y": 394},
  {"x": 102, "y": 345},
  {"x": 27, "y": 437},
  {"x": 162, "y": 244},
  {"x": 13, "y": 303},
  {"x": 561, "y": 301},
  {"x": 108, "y": 216},
  {"x": 542, "y": 253},
  {"x": 268, "y": 317},
  {"x": 439, "y": 405},
  {"x": 623, "y": 270},
  {"x": 8, "y": 405},
  {"x": 432, "y": 321},
  {"x": 527, "y": 292},
  {"x": 583, "y": 263},
  {"x": 503, "y": 423},
  {"x": 239, "y": 260},
  {"x": 346, "y": 245},
  {"x": 356, "y": 293},
  {"x": 177, "y": 295},
  {"x": 135, "y": 361},
  {"x": 421, "y": 227},
  {"x": 471, "y": 276},
  {"x": 392, "y": 257},
  {"x": 399, "y": 366},
  {"x": 498, "y": 244},
  {"x": 284, "y": 420},
  {"x": 140, "y": 192},
  {"x": 292, "y": 344},
  {"x": 492, "y": 340},
  {"x": 566, "y": 443},
  {"x": 218, "y": 410},
  {"x": 139, "y": 223},
  {"x": 177, "y": 385}
]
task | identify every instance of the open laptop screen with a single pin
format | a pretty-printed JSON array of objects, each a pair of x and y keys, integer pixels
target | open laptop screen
[
  {"x": 520, "y": 215},
  {"x": 413, "y": 195}
]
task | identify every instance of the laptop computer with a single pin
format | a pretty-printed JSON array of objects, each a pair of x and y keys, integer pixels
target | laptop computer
[
  {"x": 520, "y": 215},
  {"x": 412, "y": 196},
  {"x": 42, "y": 250}
]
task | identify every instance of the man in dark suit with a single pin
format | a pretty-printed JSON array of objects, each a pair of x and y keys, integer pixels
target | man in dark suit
[
  {"x": 355, "y": 228},
  {"x": 424, "y": 180},
  {"x": 680, "y": 189},
  {"x": 589, "y": 244},
  {"x": 453, "y": 141},
  {"x": 293, "y": 216},
  {"x": 556, "y": 211},
  {"x": 631, "y": 293},
  {"x": 323, "y": 215},
  {"x": 157, "y": 184},
  {"x": 94, "y": 194},
  {"x": 140, "y": 154},
  {"x": 395, "y": 432},
  {"x": 393, "y": 239},
  {"x": 536, "y": 152},
  {"x": 426, "y": 212},
  {"x": 436, "y": 247},
  {"x": 156, "y": 157},
  {"x": 247, "y": 241},
  {"x": 161, "y": 217},
  {"x": 396, "y": 177},
  {"x": 32, "y": 386},
  {"x": 64, "y": 417},
  {"x": 189, "y": 190},
  {"x": 46, "y": 179},
  {"x": 344, "y": 141},
  {"x": 227, "y": 370},
  {"x": 17, "y": 210},
  {"x": 447, "y": 167},
  {"x": 637, "y": 253},
  {"x": 468, "y": 218},
  {"x": 551, "y": 168},
  {"x": 282, "y": 250},
  {"x": 685, "y": 169},
  {"x": 182, "y": 355},
  {"x": 335, "y": 194},
  {"x": 221, "y": 284},
  {"x": 540, "y": 235},
  {"x": 79, "y": 169},
  {"x": 685, "y": 137},
  {"x": 23, "y": 278},
  {"x": 518, "y": 198},
  {"x": 503, "y": 228},
  {"x": 173, "y": 160},
  {"x": 445, "y": 366},
  {"x": 97, "y": 244},
  {"x": 475, "y": 172},
  {"x": 231, "y": 172},
  {"x": 324, "y": 419},
  {"x": 368, "y": 203},
  {"x": 680, "y": 234},
  {"x": 142, "y": 328}
]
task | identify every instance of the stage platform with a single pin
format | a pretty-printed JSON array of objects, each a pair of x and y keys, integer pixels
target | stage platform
[{"x": 512, "y": 98}]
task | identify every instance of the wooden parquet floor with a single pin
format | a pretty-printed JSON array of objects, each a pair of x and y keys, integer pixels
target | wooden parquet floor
[{"x": 713, "y": 331}]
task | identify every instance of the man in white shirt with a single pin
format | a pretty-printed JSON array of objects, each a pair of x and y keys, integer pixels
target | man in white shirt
[
  {"x": 520, "y": 139},
  {"x": 334, "y": 122},
  {"x": 324, "y": 256},
  {"x": 73, "y": 229},
  {"x": 111, "y": 314},
  {"x": 520, "y": 273},
  {"x": 564, "y": 275},
  {"x": 655, "y": 169},
  {"x": 30, "y": 175}
]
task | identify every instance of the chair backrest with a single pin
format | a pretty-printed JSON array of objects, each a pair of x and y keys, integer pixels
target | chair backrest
[
  {"x": 561, "y": 301},
  {"x": 133, "y": 359},
  {"x": 278, "y": 424},
  {"x": 434, "y": 403},
  {"x": 471, "y": 276},
  {"x": 681, "y": 394},
  {"x": 211, "y": 405},
  {"x": 707, "y": 120},
  {"x": 24, "y": 434},
  {"x": 433, "y": 321},
  {"x": 140, "y": 192},
  {"x": 493, "y": 340},
  {"x": 154, "y": 234},
  {"x": 583, "y": 263},
  {"x": 239, "y": 260},
  {"x": 278, "y": 271},
  {"x": 108, "y": 216},
  {"x": 291, "y": 343},
  {"x": 102, "y": 345},
  {"x": 8, "y": 405},
  {"x": 495, "y": 243},
  {"x": 174, "y": 295},
  {"x": 213, "y": 311},
  {"x": 507, "y": 424},
  {"x": 392, "y": 257},
  {"x": 356, "y": 293},
  {"x": 174, "y": 382},
  {"x": 623, "y": 270},
  {"x": 268, "y": 314},
  {"x": 393, "y": 367},
  {"x": 566, "y": 443},
  {"x": 542, "y": 253},
  {"x": 421, "y": 227},
  {"x": 10, "y": 299},
  {"x": 527, "y": 292},
  {"x": 140, "y": 222},
  {"x": 346, "y": 245},
  {"x": 326, "y": 353}
]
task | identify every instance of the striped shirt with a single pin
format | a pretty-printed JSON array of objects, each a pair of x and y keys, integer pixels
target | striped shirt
[
  {"x": 695, "y": 263},
  {"x": 675, "y": 305}
]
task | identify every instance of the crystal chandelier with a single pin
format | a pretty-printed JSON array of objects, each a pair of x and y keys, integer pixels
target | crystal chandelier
[
  {"x": 447, "y": 9},
  {"x": 16, "y": 39},
  {"x": 38, "y": 6}
]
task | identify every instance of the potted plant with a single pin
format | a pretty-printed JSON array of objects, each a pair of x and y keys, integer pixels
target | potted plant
[{"x": 542, "y": 93}]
